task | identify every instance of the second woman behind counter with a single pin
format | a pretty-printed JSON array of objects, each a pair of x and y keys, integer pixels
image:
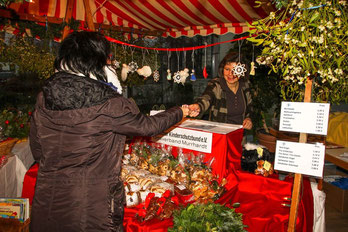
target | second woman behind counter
[{"x": 226, "y": 97}]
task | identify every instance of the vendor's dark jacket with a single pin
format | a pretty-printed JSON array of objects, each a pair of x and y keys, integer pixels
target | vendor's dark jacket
[
  {"x": 214, "y": 99},
  {"x": 78, "y": 133}
]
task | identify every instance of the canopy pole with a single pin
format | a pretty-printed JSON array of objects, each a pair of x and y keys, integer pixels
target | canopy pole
[
  {"x": 68, "y": 15},
  {"x": 298, "y": 177},
  {"x": 89, "y": 17}
]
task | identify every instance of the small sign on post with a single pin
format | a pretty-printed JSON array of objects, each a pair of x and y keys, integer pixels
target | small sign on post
[
  {"x": 301, "y": 158},
  {"x": 304, "y": 117}
]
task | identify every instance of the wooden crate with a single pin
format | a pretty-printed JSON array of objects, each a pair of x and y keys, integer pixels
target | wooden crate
[{"x": 336, "y": 197}]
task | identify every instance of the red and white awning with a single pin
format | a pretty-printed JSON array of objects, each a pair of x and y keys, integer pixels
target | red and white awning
[{"x": 175, "y": 18}]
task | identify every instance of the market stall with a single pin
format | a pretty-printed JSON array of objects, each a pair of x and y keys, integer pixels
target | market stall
[{"x": 263, "y": 201}]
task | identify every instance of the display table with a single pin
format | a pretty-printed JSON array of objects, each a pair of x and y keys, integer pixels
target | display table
[
  {"x": 261, "y": 198},
  {"x": 335, "y": 156}
]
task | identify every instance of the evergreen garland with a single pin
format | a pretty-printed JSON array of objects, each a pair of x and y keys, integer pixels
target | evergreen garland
[{"x": 207, "y": 217}]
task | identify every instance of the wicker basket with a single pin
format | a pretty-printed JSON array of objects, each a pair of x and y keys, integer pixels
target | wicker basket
[
  {"x": 7, "y": 145},
  {"x": 14, "y": 225}
]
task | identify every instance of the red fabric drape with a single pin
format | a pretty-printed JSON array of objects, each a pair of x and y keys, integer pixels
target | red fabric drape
[
  {"x": 29, "y": 182},
  {"x": 260, "y": 198}
]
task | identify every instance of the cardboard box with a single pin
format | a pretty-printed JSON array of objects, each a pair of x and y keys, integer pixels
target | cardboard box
[{"x": 336, "y": 197}]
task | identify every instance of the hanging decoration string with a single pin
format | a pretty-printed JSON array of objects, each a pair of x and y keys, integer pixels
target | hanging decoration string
[
  {"x": 133, "y": 66},
  {"x": 169, "y": 74},
  {"x": 193, "y": 60},
  {"x": 205, "y": 73},
  {"x": 178, "y": 57},
  {"x": 239, "y": 49},
  {"x": 193, "y": 76},
  {"x": 177, "y": 77},
  {"x": 205, "y": 54},
  {"x": 175, "y": 49},
  {"x": 309, "y": 8},
  {"x": 168, "y": 56},
  {"x": 239, "y": 69},
  {"x": 143, "y": 53}
]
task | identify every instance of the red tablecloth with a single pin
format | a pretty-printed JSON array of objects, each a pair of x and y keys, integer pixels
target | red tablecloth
[{"x": 260, "y": 198}]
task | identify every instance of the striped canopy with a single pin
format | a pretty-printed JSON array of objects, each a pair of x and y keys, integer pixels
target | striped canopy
[{"x": 171, "y": 18}]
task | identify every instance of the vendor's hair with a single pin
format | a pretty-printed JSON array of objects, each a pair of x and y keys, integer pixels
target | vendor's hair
[
  {"x": 233, "y": 57},
  {"x": 84, "y": 52}
]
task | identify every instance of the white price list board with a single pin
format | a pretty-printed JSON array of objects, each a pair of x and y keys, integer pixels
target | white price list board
[
  {"x": 301, "y": 158},
  {"x": 304, "y": 117}
]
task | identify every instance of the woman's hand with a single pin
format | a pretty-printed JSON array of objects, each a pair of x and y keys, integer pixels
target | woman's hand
[
  {"x": 194, "y": 110},
  {"x": 247, "y": 124},
  {"x": 185, "y": 110}
]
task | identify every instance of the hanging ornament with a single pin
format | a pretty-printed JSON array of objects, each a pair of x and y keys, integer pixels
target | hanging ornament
[
  {"x": 145, "y": 71},
  {"x": 183, "y": 75},
  {"x": 169, "y": 74},
  {"x": 177, "y": 77},
  {"x": 239, "y": 70},
  {"x": 124, "y": 72},
  {"x": 133, "y": 66},
  {"x": 185, "y": 72},
  {"x": 252, "y": 68},
  {"x": 156, "y": 75},
  {"x": 193, "y": 76},
  {"x": 115, "y": 63},
  {"x": 205, "y": 74},
  {"x": 252, "y": 64}
]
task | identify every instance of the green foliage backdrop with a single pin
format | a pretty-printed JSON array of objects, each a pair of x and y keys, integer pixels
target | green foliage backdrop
[{"x": 306, "y": 39}]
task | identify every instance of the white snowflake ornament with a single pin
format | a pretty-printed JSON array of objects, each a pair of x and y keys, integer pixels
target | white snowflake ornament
[
  {"x": 177, "y": 77},
  {"x": 239, "y": 70},
  {"x": 133, "y": 66}
]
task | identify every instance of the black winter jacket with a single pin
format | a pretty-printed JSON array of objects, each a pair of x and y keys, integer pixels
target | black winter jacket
[{"x": 78, "y": 132}]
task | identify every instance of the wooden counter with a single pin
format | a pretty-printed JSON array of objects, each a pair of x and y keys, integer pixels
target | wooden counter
[{"x": 333, "y": 155}]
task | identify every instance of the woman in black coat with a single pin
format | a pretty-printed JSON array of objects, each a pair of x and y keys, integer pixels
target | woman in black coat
[{"x": 78, "y": 132}]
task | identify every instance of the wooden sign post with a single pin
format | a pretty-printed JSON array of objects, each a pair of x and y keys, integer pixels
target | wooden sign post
[{"x": 298, "y": 177}]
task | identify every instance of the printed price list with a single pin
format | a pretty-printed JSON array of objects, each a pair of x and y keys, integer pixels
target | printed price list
[
  {"x": 301, "y": 158},
  {"x": 305, "y": 117},
  {"x": 320, "y": 120}
]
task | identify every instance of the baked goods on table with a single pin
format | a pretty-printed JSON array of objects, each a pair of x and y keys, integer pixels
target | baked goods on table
[{"x": 152, "y": 169}]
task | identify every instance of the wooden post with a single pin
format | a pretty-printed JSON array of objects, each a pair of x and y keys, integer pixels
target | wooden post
[
  {"x": 298, "y": 177},
  {"x": 68, "y": 14},
  {"x": 89, "y": 17}
]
